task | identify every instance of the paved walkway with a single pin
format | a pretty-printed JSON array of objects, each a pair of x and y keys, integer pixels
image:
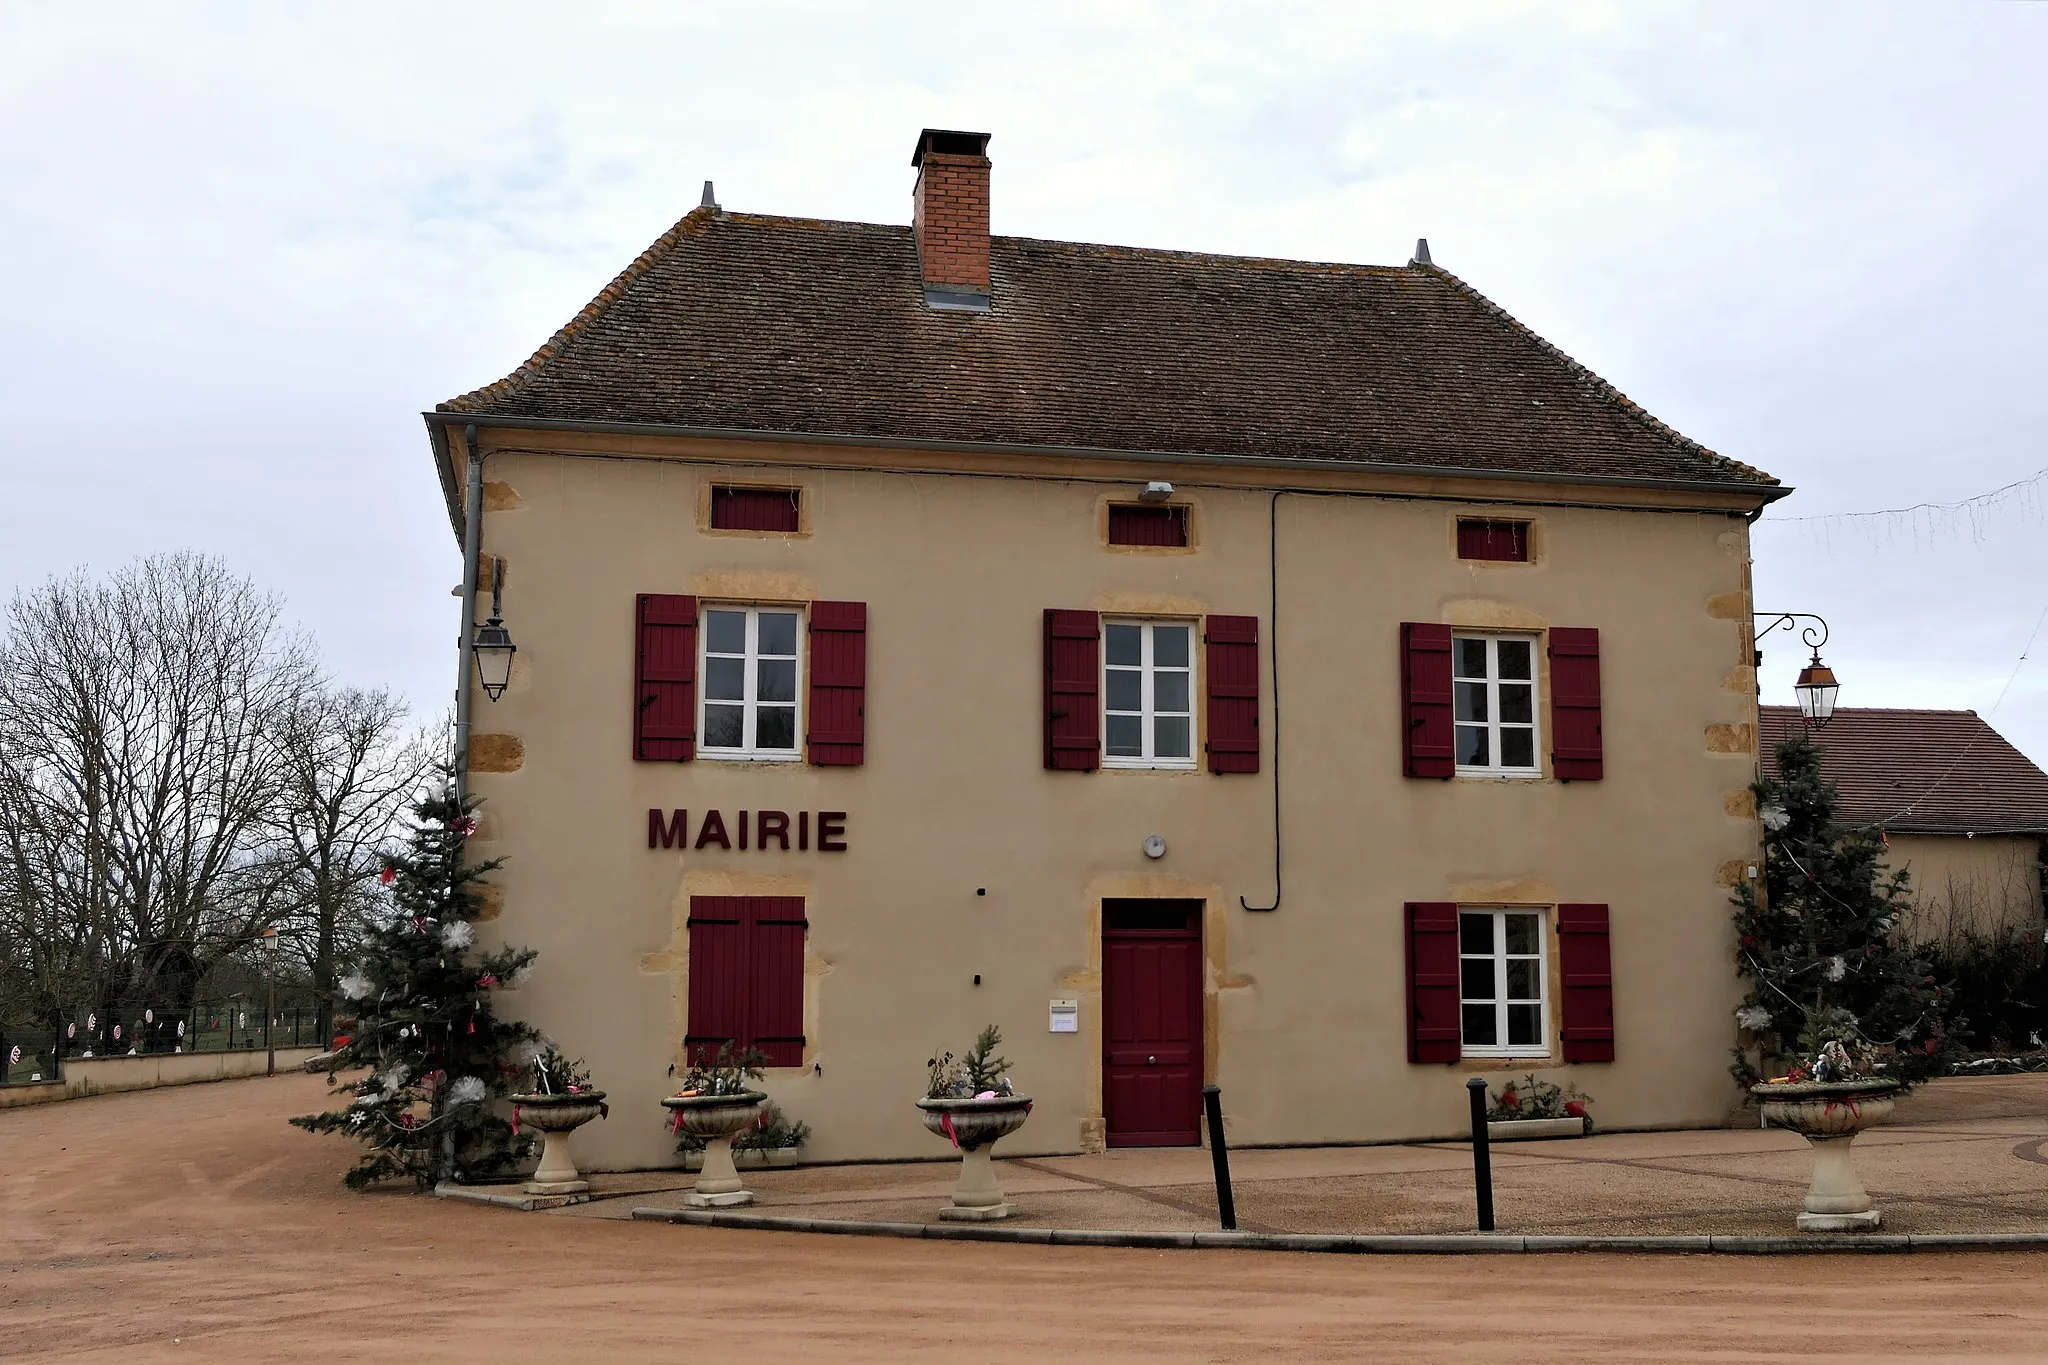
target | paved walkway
[{"x": 1961, "y": 1156}]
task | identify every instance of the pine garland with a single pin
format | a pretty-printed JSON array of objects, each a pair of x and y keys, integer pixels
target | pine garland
[
  {"x": 1824, "y": 943},
  {"x": 435, "y": 1052}
]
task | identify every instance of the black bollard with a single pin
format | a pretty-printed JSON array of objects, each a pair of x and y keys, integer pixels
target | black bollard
[
  {"x": 1482, "y": 1154},
  {"x": 1219, "y": 1156}
]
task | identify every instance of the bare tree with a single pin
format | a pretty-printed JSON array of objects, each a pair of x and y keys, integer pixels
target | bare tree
[
  {"x": 138, "y": 765},
  {"x": 349, "y": 772}
]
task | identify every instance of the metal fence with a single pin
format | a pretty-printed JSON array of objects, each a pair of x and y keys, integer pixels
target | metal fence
[{"x": 34, "y": 1054}]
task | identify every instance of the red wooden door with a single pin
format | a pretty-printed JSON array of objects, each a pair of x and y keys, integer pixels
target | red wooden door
[{"x": 1152, "y": 1022}]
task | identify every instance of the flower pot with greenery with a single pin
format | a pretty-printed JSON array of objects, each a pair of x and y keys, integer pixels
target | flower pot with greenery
[
  {"x": 772, "y": 1141},
  {"x": 970, "y": 1103},
  {"x": 1844, "y": 1013},
  {"x": 714, "y": 1106},
  {"x": 1532, "y": 1108},
  {"x": 559, "y": 1100},
  {"x": 1828, "y": 1103}
]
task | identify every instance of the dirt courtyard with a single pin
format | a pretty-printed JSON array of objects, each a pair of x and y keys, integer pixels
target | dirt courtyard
[{"x": 192, "y": 1224}]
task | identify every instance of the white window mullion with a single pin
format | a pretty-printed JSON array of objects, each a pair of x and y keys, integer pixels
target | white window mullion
[
  {"x": 1500, "y": 978},
  {"x": 750, "y": 686},
  {"x": 1147, "y": 720}
]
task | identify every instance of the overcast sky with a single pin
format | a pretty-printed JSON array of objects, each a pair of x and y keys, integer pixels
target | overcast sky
[{"x": 243, "y": 246}]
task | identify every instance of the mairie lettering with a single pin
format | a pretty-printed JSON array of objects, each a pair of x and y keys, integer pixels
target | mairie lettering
[{"x": 672, "y": 829}]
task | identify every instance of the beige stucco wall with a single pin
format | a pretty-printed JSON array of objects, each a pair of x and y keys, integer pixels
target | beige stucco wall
[
  {"x": 1306, "y": 1005},
  {"x": 84, "y": 1076},
  {"x": 1982, "y": 884}
]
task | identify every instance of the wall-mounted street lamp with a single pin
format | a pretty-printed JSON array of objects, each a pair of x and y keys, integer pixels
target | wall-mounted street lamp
[
  {"x": 1816, "y": 688},
  {"x": 493, "y": 645}
]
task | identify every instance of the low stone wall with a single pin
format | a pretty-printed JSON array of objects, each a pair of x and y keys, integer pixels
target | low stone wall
[{"x": 107, "y": 1075}]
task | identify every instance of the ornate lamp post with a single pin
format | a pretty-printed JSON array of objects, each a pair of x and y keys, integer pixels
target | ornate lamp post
[{"x": 1816, "y": 688}]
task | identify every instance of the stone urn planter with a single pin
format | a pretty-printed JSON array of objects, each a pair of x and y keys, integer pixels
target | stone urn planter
[
  {"x": 717, "y": 1119},
  {"x": 974, "y": 1126},
  {"x": 555, "y": 1117},
  {"x": 1829, "y": 1115}
]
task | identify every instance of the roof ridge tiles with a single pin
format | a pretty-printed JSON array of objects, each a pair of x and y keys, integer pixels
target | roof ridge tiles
[{"x": 1776, "y": 709}]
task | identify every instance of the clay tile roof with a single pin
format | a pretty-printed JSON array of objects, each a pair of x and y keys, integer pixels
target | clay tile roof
[
  {"x": 1941, "y": 771},
  {"x": 739, "y": 321}
]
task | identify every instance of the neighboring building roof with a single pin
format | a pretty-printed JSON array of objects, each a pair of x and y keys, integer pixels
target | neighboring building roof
[
  {"x": 741, "y": 322},
  {"x": 1934, "y": 771}
]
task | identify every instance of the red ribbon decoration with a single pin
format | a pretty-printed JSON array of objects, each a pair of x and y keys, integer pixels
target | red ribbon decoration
[
  {"x": 946, "y": 1122},
  {"x": 1849, "y": 1105},
  {"x": 515, "y": 1120}
]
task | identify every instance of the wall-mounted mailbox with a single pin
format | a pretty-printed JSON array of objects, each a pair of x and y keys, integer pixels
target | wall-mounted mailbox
[{"x": 1066, "y": 1016}]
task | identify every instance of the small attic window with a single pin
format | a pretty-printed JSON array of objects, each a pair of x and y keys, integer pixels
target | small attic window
[
  {"x": 1133, "y": 524},
  {"x": 1505, "y": 541},
  {"x": 754, "y": 509}
]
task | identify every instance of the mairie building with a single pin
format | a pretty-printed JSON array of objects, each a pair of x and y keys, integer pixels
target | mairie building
[{"x": 1289, "y": 676}]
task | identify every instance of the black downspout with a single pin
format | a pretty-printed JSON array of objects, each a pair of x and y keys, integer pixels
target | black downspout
[
  {"x": 472, "y": 542},
  {"x": 1273, "y": 650}
]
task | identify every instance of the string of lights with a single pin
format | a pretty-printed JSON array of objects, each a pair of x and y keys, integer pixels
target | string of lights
[
  {"x": 2010, "y": 679},
  {"x": 1933, "y": 519}
]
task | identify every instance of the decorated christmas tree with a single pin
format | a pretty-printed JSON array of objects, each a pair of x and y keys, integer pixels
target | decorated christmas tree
[
  {"x": 434, "y": 1053},
  {"x": 1821, "y": 939}
]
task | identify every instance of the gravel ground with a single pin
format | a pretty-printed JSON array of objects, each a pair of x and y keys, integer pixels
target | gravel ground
[{"x": 193, "y": 1224}]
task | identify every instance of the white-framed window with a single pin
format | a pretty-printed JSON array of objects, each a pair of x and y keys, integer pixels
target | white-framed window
[
  {"x": 1148, "y": 691},
  {"x": 751, "y": 658},
  {"x": 1501, "y": 983},
  {"x": 1495, "y": 690}
]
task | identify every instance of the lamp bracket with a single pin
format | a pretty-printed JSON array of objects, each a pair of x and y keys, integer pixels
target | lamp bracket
[{"x": 1814, "y": 635}]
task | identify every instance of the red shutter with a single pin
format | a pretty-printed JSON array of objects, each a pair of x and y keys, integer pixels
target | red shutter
[
  {"x": 1434, "y": 1034},
  {"x": 754, "y": 509},
  {"x": 1575, "y": 753},
  {"x": 839, "y": 680},
  {"x": 747, "y": 976},
  {"x": 665, "y": 677},
  {"x": 1587, "y": 970},
  {"x": 1073, "y": 672},
  {"x": 718, "y": 974},
  {"x": 1140, "y": 525},
  {"x": 1503, "y": 540},
  {"x": 1428, "y": 738},
  {"x": 1233, "y": 683},
  {"x": 776, "y": 978}
]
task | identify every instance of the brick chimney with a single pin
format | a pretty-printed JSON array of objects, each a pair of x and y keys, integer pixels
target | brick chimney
[{"x": 950, "y": 218}]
